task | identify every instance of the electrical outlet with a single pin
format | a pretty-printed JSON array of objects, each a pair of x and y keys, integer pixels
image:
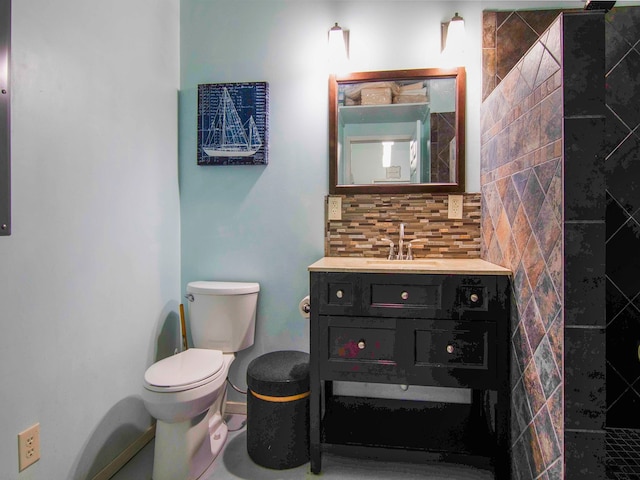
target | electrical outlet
[
  {"x": 455, "y": 206},
  {"x": 335, "y": 208},
  {"x": 29, "y": 446}
]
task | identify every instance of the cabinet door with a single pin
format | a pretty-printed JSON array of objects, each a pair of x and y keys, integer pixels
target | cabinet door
[
  {"x": 450, "y": 353},
  {"x": 357, "y": 348}
]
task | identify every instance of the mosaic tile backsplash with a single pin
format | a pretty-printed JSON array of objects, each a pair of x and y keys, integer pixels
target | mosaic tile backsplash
[{"x": 367, "y": 219}]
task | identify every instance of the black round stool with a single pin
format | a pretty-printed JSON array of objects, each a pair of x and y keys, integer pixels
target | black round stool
[{"x": 278, "y": 409}]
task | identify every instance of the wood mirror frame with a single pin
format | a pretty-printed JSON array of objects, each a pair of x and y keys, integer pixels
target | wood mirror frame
[{"x": 405, "y": 76}]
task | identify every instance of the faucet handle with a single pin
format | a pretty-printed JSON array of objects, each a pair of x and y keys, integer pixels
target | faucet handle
[
  {"x": 392, "y": 252},
  {"x": 410, "y": 244}
]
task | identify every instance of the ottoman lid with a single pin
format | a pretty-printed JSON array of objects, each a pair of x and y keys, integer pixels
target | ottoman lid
[{"x": 279, "y": 374}]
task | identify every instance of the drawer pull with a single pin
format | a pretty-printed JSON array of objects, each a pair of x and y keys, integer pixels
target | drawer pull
[
  {"x": 361, "y": 344},
  {"x": 339, "y": 294},
  {"x": 449, "y": 348},
  {"x": 474, "y": 297},
  {"x": 404, "y": 295}
]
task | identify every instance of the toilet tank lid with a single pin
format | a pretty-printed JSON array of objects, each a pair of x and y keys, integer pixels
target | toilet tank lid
[{"x": 222, "y": 288}]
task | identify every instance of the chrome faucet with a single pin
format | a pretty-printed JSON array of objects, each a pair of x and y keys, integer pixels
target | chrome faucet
[
  {"x": 392, "y": 253},
  {"x": 410, "y": 245},
  {"x": 401, "y": 243}
]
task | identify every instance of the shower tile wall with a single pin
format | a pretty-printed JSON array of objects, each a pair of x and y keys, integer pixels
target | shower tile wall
[
  {"x": 622, "y": 166},
  {"x": 550, "y": 234},
  {"x": 584, "y": 236},
  {"x": 507, "y": 35},
  {"x": 521, "y": 178}
]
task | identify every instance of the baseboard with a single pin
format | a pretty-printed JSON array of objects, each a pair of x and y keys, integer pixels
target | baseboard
[
  {"x": 117, "y": 463},
  {"x": 237, "y": 408}
]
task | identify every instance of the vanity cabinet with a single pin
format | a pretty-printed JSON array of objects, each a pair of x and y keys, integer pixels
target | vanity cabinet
[{"x": 410, "y": 329}]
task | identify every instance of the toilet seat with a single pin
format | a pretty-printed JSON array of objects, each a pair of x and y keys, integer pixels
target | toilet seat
[{"x": 184, "y": 371}]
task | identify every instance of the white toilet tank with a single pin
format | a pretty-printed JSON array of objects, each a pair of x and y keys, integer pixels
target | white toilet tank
[{"x": 222, "y": 315}]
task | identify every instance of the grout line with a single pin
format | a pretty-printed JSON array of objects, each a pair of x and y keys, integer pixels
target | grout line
[
  {"x": 578, "y": 222},
  {"x": 578, "y": 117},
  {"x": 584, "y": 430},
  {"x": 584, "y": 327}
]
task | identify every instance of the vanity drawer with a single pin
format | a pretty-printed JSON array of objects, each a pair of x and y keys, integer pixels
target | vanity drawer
[
  {"x": 472, "y": 297},
  {"x": 465, "y": 351},
  {"x": 356, "y": 344},
  {"x": 357, "y": 348},
  {"x": 404, "y": 295},
  {"x": 337, "y": 293}
]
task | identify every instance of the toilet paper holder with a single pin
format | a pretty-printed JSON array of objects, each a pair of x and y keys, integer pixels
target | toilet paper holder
[{"x": 304, "y": 307}]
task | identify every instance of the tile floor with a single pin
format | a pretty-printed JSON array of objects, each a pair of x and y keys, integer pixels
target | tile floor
[
  {"x": 623, "y": 453},
  {"x": 234, "y": 463}
]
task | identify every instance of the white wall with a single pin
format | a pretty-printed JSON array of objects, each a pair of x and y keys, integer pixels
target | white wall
[{"x": 90, "y": 276}]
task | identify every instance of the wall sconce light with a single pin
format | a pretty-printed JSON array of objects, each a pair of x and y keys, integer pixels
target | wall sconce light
[
  {"x": 338, "y": 48},
  {"x": 453, "y": 36}
]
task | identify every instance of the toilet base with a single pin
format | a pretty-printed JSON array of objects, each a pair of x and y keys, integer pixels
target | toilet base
[{"x": 184, "y": 450}]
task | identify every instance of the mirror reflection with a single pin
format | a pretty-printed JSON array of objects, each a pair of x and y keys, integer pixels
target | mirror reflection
[{"x": 397, "y": 130}]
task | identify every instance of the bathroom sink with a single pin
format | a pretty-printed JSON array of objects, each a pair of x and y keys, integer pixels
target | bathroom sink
[
  {"x": 420, "y": 262},
  {"x": 395, "y": 263}
]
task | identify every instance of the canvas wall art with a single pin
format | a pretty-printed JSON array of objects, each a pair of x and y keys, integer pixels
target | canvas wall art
[{"x": 233, "y": 123}]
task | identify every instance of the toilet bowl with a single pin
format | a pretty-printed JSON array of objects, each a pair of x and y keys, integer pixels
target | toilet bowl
[{"x": 187, "y": 391}]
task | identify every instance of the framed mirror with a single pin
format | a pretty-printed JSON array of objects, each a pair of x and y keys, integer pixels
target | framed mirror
[{"x": 397, "y": 131}]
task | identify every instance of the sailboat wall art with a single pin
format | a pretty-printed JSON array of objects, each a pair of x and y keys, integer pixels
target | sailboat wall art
[{"x": 233, "y": 123}]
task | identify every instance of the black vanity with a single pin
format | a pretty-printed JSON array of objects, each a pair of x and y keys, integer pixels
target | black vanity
[{"x": 429, "y": 322}]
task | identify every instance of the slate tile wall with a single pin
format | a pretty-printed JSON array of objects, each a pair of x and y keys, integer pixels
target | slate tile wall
[
  {"x": 543, "y": 216},
  {"x": 622, "y": 169},
  {"x": 507, "y": 36},
  {"x": 621, "y": 159},
  {"x": 522, "y": 218},
  {"x": 584, "y": 243}
]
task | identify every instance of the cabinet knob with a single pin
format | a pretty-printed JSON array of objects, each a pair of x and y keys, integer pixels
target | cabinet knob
[
  {"x": 404, "y": 295},
  {"x": 339, "y": 294},
  {"x": 361, "y": 344},
  {"x": 449, "y": 348},
  {"x": 474, "y": 297}
]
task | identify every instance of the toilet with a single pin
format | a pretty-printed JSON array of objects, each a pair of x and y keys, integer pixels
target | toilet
[{"x": 186, "y": 392}]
